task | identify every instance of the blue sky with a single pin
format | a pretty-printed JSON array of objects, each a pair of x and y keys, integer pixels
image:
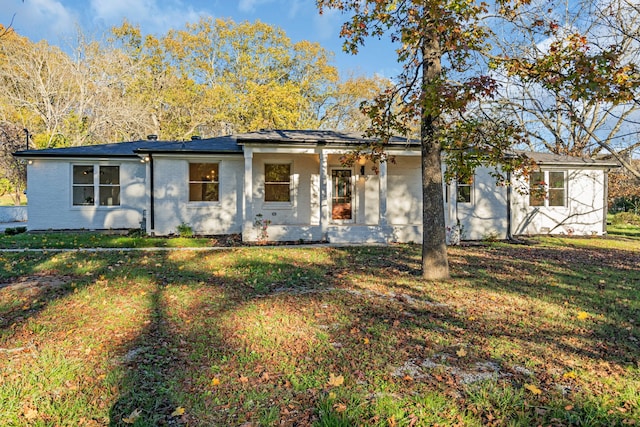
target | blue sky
[{"x": 56, "y": 20}]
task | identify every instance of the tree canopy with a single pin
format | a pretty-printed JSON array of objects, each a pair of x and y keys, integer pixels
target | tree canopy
[{"x": 213, "y": 77}]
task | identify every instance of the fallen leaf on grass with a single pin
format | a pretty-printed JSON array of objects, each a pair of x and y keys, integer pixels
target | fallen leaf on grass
[
  {"x": 131, "y": 419},
  {"x": 335, "y": 381},
  {"x": 244, "y": 379},
  {"x": 366, "y": 341},
  {"x": 583, "y": 315},
  {"x": 215, "y": 382},
  {"x": 533, "y": 389},
  {"x": 179, "y": 411},
  {"x": 30, "y": 413},
  {"x": 340, "y": 407},
  {"x": 461, "y": 353}
]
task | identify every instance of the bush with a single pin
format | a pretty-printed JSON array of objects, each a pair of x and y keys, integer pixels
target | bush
[
  {"x": 185, "y": 230},
  {"x": 13, "y": 231},
  {"x": 626, "y": 218}
]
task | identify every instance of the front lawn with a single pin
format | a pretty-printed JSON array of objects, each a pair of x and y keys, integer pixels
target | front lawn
[{"x": 540, "y": 334}]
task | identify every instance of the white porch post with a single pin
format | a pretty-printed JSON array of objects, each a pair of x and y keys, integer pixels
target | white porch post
[
  {"x": 383, "y": 194},
  {"x": 247, "y": 206},
  {"x": 324, "y": 203}
]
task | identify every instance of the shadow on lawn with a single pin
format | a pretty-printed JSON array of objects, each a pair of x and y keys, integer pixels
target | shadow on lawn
[
  {"x": 38, "y": 279},
  {"x": 171, "y": 364},
  {"x": 146, "y": 391},
  {"x": 604, "y": 284}
]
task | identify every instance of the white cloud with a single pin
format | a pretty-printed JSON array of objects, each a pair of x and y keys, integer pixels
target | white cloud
[
  {"x": 152, "y": 15},
  {"x": 39, "y": 19}
]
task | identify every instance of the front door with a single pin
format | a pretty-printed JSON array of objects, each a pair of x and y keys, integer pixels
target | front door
[{"x": 341, "y": 197}]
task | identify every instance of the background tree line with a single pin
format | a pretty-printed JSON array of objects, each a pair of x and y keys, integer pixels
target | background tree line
[{"x": 212, "y": 78}]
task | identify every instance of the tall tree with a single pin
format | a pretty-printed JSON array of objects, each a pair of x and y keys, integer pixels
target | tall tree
[
  {"x": 572, "y": 77},
  {"x": 13, "y": 173},
  {"x": 38, "y": 83},
  {"x": 437, "y": 42}
]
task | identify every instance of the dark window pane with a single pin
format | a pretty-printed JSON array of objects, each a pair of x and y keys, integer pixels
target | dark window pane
[
  {"x": 110, "y": 175},
  {"x": 464, "y": 193},
  {"x": 83, "y": 195},
  {"x": 556, "y": 197},
  {"x": 276, "y": 193},
  {"x": 537, "y": 189},
  {"x": 556, "y": 179},
  {"x": 82, "y": 174},
  {"x": 536, "y": 199},
  {"x": 203, "y": 172},
  {"x": 203, "y": 192},
  {"x": 109, "y": 196},
  {"x": 277, "y": 172}
]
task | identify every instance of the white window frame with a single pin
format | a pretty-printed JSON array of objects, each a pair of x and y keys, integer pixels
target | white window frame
[
  {"x": 457, "y": 192},
  {"x": 546, "y": 180},
  {"x": 96, "y": 185},
  {"x": 189, "y": 181},
  {"x": 278, "y": 204}
]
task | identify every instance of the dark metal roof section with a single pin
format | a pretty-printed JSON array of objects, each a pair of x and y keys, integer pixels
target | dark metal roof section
[{"x": 316, "y": 137}]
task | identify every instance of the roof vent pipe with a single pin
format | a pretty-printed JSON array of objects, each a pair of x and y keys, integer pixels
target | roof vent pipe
[
  {"x": 196, "y": 137},
  {"x": 152, "y": 137}
]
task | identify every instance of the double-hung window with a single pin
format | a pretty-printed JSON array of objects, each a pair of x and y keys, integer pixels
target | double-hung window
[
  {"x": 547, "y": 188},
  {"x": 277, "y": 182},
  {"x": 96, "y": 185},
  {"x": 204, "y": 182}
]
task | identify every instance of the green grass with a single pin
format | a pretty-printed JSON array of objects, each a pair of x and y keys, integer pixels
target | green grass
[
  {"x": 539, "y": 334},
  {"x": 624, "y": 230},
  {"x": 86, "y": 239}
]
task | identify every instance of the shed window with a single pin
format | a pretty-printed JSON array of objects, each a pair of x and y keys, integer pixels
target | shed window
[{"x": 547, "y": 188}]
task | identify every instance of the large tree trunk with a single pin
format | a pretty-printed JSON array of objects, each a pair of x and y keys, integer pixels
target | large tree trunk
[{"x": 435, "y": 265}]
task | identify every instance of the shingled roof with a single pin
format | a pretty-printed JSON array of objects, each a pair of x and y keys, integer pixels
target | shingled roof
[
  {"x": 232, "y": 144},
  {"x": 219, "y": 145}
]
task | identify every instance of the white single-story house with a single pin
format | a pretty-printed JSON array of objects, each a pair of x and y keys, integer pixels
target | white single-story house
[{"x": 290, "y": 185}]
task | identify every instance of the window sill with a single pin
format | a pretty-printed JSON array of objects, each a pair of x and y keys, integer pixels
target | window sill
[
  {"x": 195, "y": 205},
  {"x": 277, "y": 205}
]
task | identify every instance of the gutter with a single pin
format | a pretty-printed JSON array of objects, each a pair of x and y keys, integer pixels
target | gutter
[
  {"x": 605, "y": 204},
  {"x": 509, "y": 221}
]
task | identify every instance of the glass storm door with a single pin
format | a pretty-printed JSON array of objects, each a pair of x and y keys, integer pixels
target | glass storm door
[{"x": 341, "y": 200}]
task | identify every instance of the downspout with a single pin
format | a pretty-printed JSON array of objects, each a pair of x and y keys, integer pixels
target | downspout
[
  {"x": 605, "y": 204},
  {"x": 509, "y": 185},
  {"x": 152, "y": 216}
]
